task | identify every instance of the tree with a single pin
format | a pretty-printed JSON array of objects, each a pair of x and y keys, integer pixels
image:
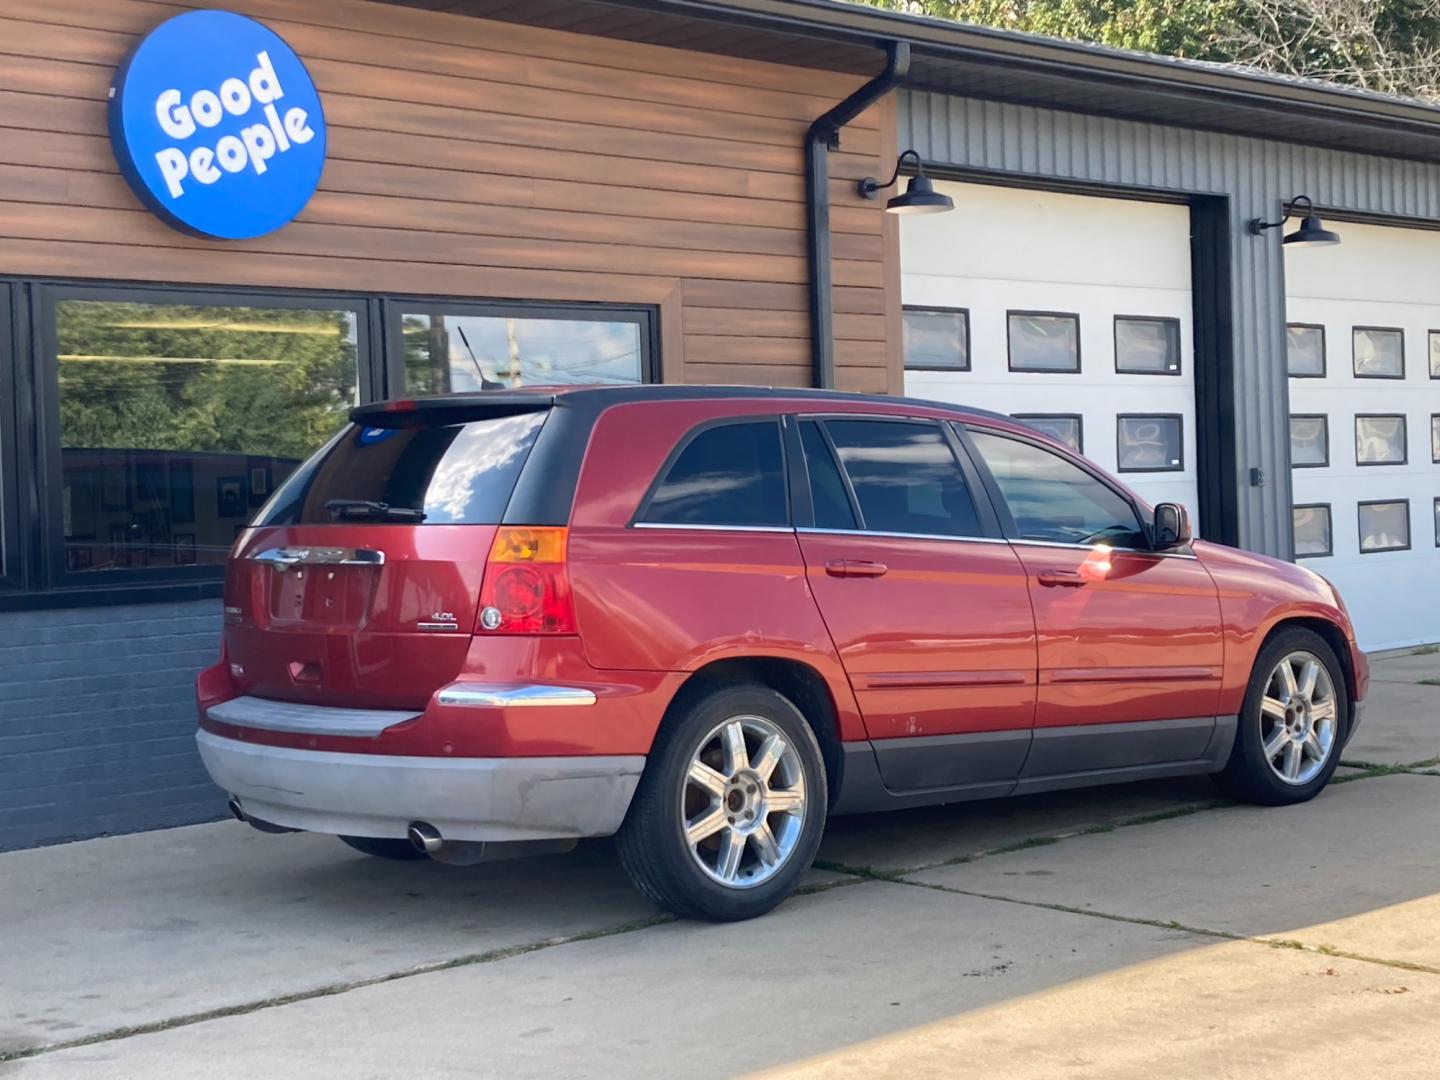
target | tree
[
  {"x": 1389, "y": 46},
  {"x": 1189, "y": 28}
]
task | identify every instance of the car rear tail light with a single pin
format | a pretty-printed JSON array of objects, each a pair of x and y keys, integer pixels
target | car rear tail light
[{"x": 526, "y": 588}]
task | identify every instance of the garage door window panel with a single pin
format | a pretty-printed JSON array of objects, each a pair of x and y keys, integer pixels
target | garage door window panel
[
  {"x": 1379, "y": 439},
  {"x": 1052, "y": 500},
  {"x": 1044, "y": 341},
  {"x": 1309, "y": 441},
  {"x": 1305, "y": 351},
  {"x": 1379, "y": 352},
  {"x": 1435, "y": 438},
  {"x": 1150, "y": 443},
  {"x": 1313, "y": 534},
  {"x": 1147, "y": 346},
  {"x": 1434, "y": 337},
  {"x": 1068, "y": 429},
  {"x": 1437, "y": 521},
  {"x": 905, "y": 478},
  {"x": 724, "y": 475},
  {"x": 936, "y": 339},
  {"x": 1384, "y": 526}
]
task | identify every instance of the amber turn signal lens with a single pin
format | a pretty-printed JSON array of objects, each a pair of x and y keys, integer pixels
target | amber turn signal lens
[{"x": 528, "y": 545}]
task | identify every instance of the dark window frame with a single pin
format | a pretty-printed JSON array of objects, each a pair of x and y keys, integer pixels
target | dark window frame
[
  {"x": 395, "y": 306},
  {"x": 1077, "y": 417},
  {"x": 1430, "y": 336},
  {"x": 29, "y": 420},
  {"x": 935, "y": 309},
  {"x": 1435, "y": 510},
  {"x": 11, "y": 574},
  {"x": 1324, "y": 418},
  {"x": 1404, "y": 419},
  {"x": 638, "y": 518},
  {"x": 1179, "y": 419},
  {"x": 1382, "y": 329},
  {"x": 1324, "y": 352},
  {"x": 1434, "y": 445},
  {"x": 1409, "y": 526},
  {"x": 54, "y": 574},
  {"x": 1074, "y": 316},
  {"x": 1010, "y": 530},
  {"x": 1329, "y": 529},
  {"x": 987, "y": 514},
  {"x": 1166, "y": 320}
]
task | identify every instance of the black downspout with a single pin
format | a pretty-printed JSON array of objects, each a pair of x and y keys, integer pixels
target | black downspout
[{"x": 824, "y": 136}]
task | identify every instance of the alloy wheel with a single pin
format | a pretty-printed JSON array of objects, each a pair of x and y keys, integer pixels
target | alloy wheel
[
  {"x": 1298, "y": 719},
  {"x": 743, "y": 802}
]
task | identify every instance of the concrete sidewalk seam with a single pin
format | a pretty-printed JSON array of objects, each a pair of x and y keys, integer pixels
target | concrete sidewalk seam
[
  {"x": 332, "y": 989},
  {"x": 1164, "y": 924}
]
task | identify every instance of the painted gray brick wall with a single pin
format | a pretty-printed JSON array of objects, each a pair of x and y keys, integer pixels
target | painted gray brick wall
[
  {"x": 97, "y": 721},
  {"x": 1255, "y": 176}
]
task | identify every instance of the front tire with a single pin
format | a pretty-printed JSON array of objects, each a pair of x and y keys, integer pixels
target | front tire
[
  {"x": 729, "y": 813},
  {"x": 1292, "y": 723},
  {"x": 385, "y": 848}
]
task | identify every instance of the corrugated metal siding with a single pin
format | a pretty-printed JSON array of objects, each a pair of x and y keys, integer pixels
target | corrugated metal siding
[{"x": 1255, "y": 175}]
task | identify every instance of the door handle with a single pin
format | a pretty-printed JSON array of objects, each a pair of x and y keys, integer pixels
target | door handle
[
  {"x": 1063, "y": 579},
  {"x": 854, "y": 568}
]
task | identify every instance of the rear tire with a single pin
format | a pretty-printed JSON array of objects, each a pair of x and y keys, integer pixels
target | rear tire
[
  {"x": 731, "y": 807},
  {"x": 1292, "y": 726},
  {"x": 385, "y": 848}
]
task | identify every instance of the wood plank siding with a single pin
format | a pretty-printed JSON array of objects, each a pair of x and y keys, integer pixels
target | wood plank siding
[{"x": 482, "y": 159}]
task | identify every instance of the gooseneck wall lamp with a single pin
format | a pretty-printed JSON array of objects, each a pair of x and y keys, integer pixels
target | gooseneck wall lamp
[
  {"x": 920, "y": 195},
  {"x": 1312, "y": 231}
]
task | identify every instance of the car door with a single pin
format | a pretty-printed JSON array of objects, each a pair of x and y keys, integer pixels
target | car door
[
  {"x": 1129, "y": 640},
  {"x": 925, "y": 601}
]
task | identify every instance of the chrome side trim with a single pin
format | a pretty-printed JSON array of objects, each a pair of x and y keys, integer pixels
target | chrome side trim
[
  {"x": 516, "y": 696},
  {"x": 268, "y": 715},
  {"x": 282, "y": 558},
  {"x": 1116, "y": 550},
  {"x": 713, "y": 528},
  {"x": 810, "y": 531}
]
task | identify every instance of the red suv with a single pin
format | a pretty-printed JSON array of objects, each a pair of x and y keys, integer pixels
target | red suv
[{"x": 703, "y": 619}]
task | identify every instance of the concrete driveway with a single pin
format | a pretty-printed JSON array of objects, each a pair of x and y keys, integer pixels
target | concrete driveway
[{"x": 1143, "y": 930}]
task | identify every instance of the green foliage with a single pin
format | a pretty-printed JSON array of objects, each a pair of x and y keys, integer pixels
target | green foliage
[
  {"x": 1190, "y": 28},
  {"x": 270, "y": 382}
]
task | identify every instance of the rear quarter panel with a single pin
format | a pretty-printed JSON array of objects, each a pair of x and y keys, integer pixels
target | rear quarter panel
[
  {"x": 656, "y": 599},
  {"x": 1256, "y": 594}
]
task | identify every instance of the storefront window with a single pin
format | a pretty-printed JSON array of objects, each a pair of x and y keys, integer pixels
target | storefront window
[
  {"x": 454, "y": 349},
  {"x": 177, "y": 421}
]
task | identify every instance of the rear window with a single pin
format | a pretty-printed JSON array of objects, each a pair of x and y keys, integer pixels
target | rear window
[
  {"x": 733, "y": 474},
  {"x": 437, "y": 474}
]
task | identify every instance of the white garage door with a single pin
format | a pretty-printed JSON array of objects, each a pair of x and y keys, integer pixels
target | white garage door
[
  {"x": 1069, "y": 311},
  {"x": 1364, "y": 362}
]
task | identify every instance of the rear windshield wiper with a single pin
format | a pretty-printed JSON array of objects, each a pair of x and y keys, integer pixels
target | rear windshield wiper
[{"x": 370, "y": 509}]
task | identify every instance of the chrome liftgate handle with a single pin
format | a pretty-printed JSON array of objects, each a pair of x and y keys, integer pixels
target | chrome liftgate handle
[{"x": 283, "y": 558}]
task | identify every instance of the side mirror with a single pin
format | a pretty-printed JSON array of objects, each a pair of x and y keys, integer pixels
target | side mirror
[{"x": 1172, "y": 526}]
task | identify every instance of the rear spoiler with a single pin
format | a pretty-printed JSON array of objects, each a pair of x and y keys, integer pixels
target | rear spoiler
[{"x": 450, "y": 408}]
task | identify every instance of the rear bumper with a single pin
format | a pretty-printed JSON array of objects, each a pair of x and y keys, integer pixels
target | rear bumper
[{"x": 483, "y": 799}]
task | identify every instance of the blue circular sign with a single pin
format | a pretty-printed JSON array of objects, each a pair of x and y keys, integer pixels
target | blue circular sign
[{"x": 217, "y": 126}]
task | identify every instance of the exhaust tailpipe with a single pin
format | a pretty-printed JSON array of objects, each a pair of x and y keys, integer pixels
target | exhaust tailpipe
[
  {"x": 236, "y": 811},
  {"x": 425, "y": 837}
]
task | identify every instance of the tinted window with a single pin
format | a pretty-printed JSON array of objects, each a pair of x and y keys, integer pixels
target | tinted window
[
  {"x": 1052, "y": 499},
  {"x": 905, "y": 477},
  {"x": 727, "y": 475},
  {"x": 453, "y": 474},
  {"x": 827, "y": 489}
]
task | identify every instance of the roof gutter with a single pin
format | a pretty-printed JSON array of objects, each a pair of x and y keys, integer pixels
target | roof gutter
[{"x": 820, "y": 140}]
